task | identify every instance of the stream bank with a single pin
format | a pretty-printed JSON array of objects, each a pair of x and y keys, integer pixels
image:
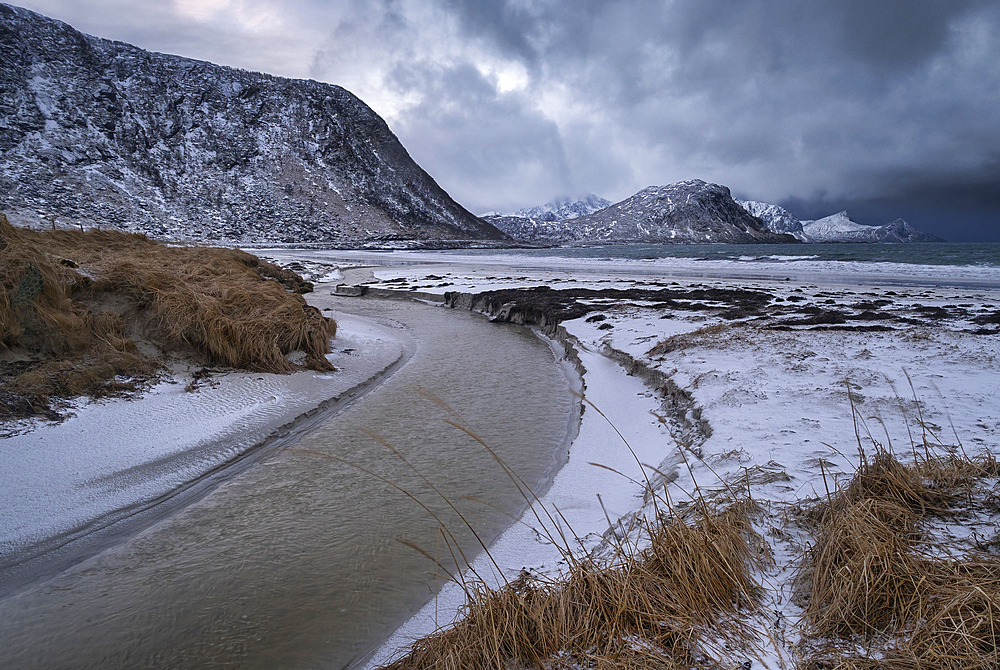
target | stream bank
[{"x": 295, "y": 562}]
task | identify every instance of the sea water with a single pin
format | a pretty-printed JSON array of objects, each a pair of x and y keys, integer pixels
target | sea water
[{"x": 967, "y": 265}]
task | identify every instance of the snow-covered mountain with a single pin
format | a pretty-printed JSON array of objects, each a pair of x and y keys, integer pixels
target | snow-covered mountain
[
  {"x": 834, "y": 228},
  {"x": 530, "y": 231},
  {"x": 98, "y": 131},
  {"x": 544, "y": 224},
  {"x": 840, "y": 228},
  {"x": 562, "y": 209},
  {"x": 778, "y": 219},
  {"x": 688, "y": 212}
]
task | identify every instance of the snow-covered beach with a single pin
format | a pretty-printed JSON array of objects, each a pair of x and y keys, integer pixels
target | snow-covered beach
[
  {"x": 115, "y": 461},
  {"x": 768, "y": 392},
  {"x": 770, "y": 389}
]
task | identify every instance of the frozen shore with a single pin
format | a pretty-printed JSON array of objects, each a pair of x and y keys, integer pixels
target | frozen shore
[
  {"x": 67, "y": 489},
  {"x": 771, "y": 386}
]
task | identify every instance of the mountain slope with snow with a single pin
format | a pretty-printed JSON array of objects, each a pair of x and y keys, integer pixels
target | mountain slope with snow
[
  {"x": 834, "y": 228},
  {"x": 688, "y": 212},
  {"x": 563, "y": 209},
  {"x": 777, "y": 219},
  {"x": 98, "y": 131},
  {"x": 840, "y": 228}
]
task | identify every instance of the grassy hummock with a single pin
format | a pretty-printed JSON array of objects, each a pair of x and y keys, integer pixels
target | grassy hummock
[
  {"x": 98, "y": 313},
  {"x": 882, "y": 591}
]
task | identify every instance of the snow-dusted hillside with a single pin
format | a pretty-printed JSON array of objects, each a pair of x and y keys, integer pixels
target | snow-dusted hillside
[
  {"x": 563, "y": 209},
  {"x": 688, "y": 212},
  {"x": 840, "y": 228},
  {"x": 99, "y": 131},
  {"x": 778, "y": 219},
  {"x": 834, "y": 228}
]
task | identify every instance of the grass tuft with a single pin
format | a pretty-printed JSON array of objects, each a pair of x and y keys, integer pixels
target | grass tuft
[
  {"x": 874, "y": 581},
  {"x": 93, "y": 313},
  {"x": 648, "y": 608}
]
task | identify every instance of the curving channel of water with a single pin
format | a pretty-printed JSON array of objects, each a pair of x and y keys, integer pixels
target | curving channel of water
[{"x": 296, "y": 562}]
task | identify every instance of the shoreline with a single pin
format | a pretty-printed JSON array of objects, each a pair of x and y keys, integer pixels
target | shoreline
[
  {"x": 521, "y": 547},
  {"x": 294, "y": 543},
  {"x": 736, "y": 374},
  {"x": 761, "y": 269},
  {"x": 955, "y": 370},
  {"x": 192, "y": 463}
]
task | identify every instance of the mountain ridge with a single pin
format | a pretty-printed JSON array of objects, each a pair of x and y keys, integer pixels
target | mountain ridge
[
  {"x": 687, "y": 212},
  {"x": 564, "y": 209},
  {"x": 838, "y": 227},
  {"x": 93, "y": 130}
]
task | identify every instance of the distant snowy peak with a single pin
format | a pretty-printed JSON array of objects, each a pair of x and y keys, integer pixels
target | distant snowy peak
[
  {"x": 834, "y": 228},
  {"x": 840, "y": 228},
  {"x": 777, "y": 219},
  {"x": 562, "y": 209},
  {"x": 901, "y": 231},
  {"x": 693, "y": 212},
  {"x": 688, "y": 212}
]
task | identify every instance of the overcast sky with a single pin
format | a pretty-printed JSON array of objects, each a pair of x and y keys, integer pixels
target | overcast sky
[{"x": 886, "y": 108}]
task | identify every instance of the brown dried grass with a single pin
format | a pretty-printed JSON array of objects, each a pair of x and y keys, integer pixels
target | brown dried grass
[
  {"x": 647, "y": 609},
  {"x": 75, "y": 304},
  {"x": 872, "y": 579}
]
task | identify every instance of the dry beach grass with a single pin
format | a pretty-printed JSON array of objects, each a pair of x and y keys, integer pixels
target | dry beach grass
[
  {"x": 880, "y": 593},
  {"x": 685, "y": 590},
  {"x": 94, "y": 313},
  {"x": 658, "y": 607}
]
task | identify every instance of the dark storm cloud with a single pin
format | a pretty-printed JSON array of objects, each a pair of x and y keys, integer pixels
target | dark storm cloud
[
  {"x": 880, "y": 33},
  {"x": 804, "y": 101},
  {"x": 896, "y": 34},
  {"x": 878, "y": 98},
  {"x": 481, "y": 121},
  {"x": 877, "y": 103},
  {"x": 507, "y": 25}
]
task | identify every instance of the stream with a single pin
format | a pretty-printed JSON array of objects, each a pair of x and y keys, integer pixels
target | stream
[{"x": 305, "y": 560}]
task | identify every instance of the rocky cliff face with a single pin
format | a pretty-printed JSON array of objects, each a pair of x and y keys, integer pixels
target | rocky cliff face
[
  {"x": 99, "y": 131},
  {"x": 688, "y": 212}
]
